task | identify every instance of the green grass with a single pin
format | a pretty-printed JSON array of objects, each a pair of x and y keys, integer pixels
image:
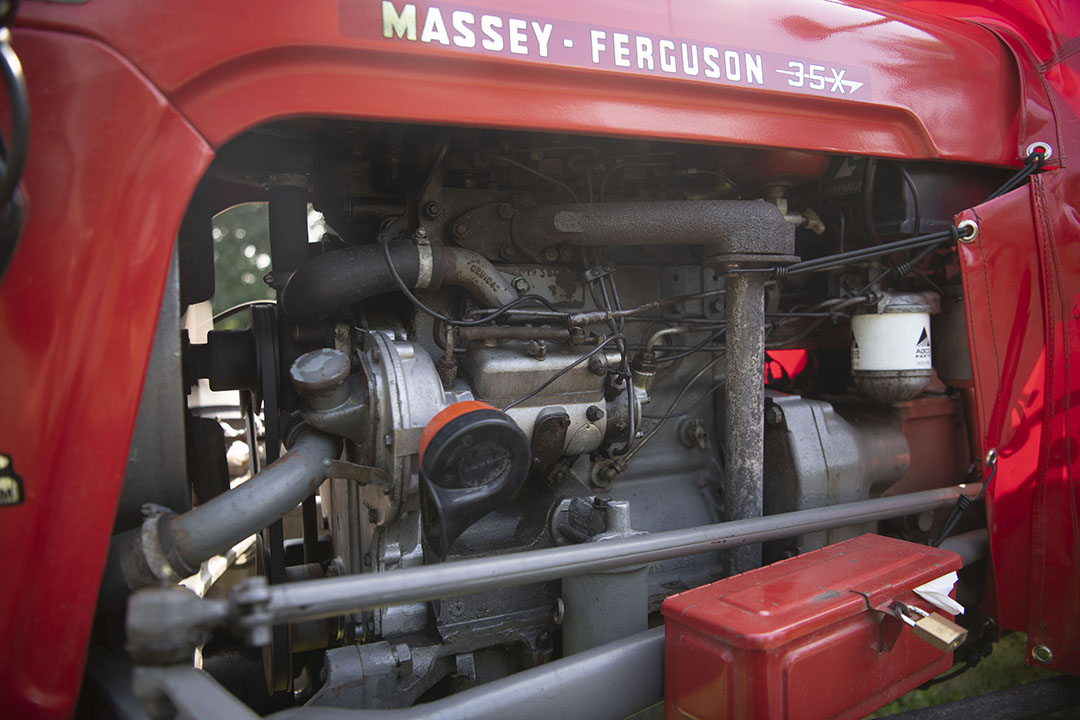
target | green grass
[{"x": 1004, "y": 668}]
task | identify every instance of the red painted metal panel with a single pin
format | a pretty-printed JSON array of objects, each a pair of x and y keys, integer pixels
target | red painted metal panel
[
  {"x": 112, "y": 165},
  {"x": 803, "y": 638},
  {"x": 110, "y": 169},
  {"x": 229, "y": 66}
]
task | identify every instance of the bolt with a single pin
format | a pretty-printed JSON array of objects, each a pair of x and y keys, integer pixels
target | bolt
[
  {"x": 551, "y": 254},
  {"x": 717, "y": 305},
  {"x": 557, "y": 475},
  {"x": 506, "y": 211},
  {"x": 420, "y": 233},
  {"x": 521, "y": 284},
  {"x": 506, "y": 251},
  {"x": 597, "y": 365},
  {"x": 460, "y": 230},
  {"x": 693, "y": 434},
  {"x": 432, "y": 210},
  {"x": 566, "y": 254},
  {"x": 1042, "y": 654},
  {"x": 593, "y": 413},
  {"x": 388, "y": 439},
  {"x": 773, "y": 416},
  {"x": 536, "y": 349}
]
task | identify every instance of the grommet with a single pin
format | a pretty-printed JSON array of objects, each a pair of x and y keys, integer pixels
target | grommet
[
  {"x": 1042, "y": 654},
  {"x": 1045, "y": 148},
  {"x": 966, "y": 238}
]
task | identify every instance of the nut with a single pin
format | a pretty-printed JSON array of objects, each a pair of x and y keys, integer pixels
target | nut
[{"x": 597, "y": 365}]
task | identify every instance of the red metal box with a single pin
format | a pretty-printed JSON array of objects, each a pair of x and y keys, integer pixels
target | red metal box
[{"x": 804, "y": 638}]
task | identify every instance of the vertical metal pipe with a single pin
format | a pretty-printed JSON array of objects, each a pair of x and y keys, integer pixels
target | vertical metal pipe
[{"x": 745, "y": 406}]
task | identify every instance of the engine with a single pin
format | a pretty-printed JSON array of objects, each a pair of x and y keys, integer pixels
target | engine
[{"x": 513, "y": 341}]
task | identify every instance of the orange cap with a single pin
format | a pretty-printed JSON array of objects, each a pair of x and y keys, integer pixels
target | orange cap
[{"x": 444, "y": 416}]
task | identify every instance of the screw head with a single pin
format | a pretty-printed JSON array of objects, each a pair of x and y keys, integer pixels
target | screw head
[
  {"x": 506, "y": 211},
  {"x": 460, "y": 230},
  {"x": 432, "y": 209},
  {"x": 521, "y": 284}
]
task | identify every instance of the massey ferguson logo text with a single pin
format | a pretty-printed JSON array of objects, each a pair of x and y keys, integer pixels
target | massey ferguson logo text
[{"x": 578, "y": 45}]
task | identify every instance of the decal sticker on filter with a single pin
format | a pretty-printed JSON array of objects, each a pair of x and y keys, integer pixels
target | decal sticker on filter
[
  {"x": 514, "y": 35},
  {"x": 896, "y": 341}
]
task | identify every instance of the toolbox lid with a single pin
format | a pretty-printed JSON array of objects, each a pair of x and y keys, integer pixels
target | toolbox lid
[{"x": 770, "y": 606}]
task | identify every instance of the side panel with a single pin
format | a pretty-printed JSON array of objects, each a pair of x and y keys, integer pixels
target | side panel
[
  {"x": 111, "y": 167},
  {"x": 1022, "y": 284}
]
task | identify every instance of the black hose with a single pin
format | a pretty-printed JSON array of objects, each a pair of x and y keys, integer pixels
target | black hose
[{"x": 343, "y": 277}]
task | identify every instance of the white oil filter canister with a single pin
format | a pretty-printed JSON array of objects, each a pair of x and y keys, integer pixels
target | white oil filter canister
[{"x": 890, "y": 346}]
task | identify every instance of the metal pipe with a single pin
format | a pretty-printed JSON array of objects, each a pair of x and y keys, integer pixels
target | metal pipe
[
  {"x": 609, "y": 681},
  {"x": 971, "y": 546},
  {"x": 217, "y": 525},
  {"x": 475, "y": 274},
  {"x": 514, "y": 332},
  {"x": 335, "y": 596},
  {"x": 744, "y": 405},
  {"x": 171, "y": 547},
  {"x": 747, "y": 227}
]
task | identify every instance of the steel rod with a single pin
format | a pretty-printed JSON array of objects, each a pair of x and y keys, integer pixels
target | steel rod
[
  {"x": 610, "y": 681},
  {"x": 336, "y": 596}
]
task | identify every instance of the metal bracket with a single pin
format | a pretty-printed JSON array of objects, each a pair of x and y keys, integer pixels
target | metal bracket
[{"x": 360, "y": 474}]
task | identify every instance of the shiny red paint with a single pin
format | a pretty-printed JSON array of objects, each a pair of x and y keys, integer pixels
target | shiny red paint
[
  {"x": 1022, "y": 286},
  {"x": 227, "y": 69},
  {"x": 754, "y": 645},
  {"x": 112, "y": 165},
  {"x": 129, "y": 99}
]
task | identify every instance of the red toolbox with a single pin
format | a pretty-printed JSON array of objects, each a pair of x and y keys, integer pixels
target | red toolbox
[{"x": 809, "y": 637}]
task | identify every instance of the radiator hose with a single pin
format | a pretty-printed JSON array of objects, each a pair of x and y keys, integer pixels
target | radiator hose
[{"x": 340, "y": 278}]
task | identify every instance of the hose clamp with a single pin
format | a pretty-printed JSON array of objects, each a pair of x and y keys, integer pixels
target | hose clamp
[
  {"x": 963, "y": 224},
  {"x": 425, "y": 260},
  {"x": 157, "y": 560}
]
